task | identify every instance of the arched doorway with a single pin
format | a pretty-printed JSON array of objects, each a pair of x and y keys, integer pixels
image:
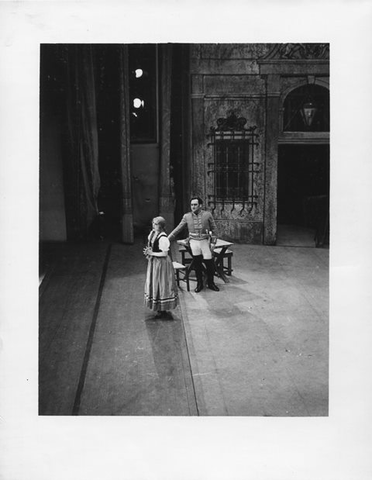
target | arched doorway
[{"x": 304, "y": 168}]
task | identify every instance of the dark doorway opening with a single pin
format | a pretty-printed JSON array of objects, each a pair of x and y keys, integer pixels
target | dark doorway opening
[{"x": 303, "y": 195}]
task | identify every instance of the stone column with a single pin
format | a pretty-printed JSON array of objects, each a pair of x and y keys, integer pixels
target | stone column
[
  {"x": 271, "y": 160},
  {"x": 127, "y": 234},
  {"x": 166, "y": 196},
  {"x": 198, "y": 170}
]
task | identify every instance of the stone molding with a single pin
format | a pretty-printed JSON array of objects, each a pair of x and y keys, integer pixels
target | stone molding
[{"x": 297, "y": 51}]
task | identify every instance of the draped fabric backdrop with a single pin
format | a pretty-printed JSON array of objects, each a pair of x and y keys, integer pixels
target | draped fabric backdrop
[
  {"x": 127, "y": 234},
  {"x": 85, "y": 150},
  {"x": 81, "y": 172}
]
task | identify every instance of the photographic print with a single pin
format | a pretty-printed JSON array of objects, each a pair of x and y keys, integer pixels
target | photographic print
[
  {"x": 238, "y": 326},
  {"x": 185, "y": 269}
]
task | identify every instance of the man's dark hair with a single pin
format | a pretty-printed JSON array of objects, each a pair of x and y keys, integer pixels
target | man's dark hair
[{"x": 198, "y": 199}]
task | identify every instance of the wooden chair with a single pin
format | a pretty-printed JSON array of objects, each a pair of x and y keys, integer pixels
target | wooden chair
[
  {"x": 186, "y": 257},
  {"x": 181, "y": 274},
  {"x": 187, "y": 261}
]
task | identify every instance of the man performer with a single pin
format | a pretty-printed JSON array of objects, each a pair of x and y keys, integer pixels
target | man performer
[{"x": 202, "y": 238}]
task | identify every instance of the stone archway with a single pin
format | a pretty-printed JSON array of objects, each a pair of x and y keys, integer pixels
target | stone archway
[
  {"x": 286, "y": 67},
  {"x": 303, "y": 166}
]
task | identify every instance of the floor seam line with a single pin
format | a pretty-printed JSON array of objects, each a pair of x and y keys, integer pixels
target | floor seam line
[
  {"x": 183, "y": 315},
  {"x": 88, "y": 348}
]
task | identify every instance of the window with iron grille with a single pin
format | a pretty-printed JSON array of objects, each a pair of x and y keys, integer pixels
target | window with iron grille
[
  {"x": 233, "y": 165},
  {"x": 231, "y": 170}
]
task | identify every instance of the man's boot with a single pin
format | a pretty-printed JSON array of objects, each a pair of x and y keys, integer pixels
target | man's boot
[
  {"x": 198, "y": 265},
  {"x": 210, "y": 275}
]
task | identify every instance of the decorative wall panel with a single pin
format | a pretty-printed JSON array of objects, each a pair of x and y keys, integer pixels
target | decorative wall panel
[
  {"x": 234, "y": 85},
  {"x": 249, "y": 80}
]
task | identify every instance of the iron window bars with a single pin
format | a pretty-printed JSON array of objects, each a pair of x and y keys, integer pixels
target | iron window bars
[{"x": 233, "y": 166}]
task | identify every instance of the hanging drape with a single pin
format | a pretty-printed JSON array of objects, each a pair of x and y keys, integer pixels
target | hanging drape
[
  {"x": 81, "y": 171},
  {"x": 127, "y": 234}
]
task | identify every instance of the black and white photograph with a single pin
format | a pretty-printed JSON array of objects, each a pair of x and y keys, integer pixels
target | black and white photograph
[
  {"x": 185, "y": 264},
  {"x": 219, "y": 153}
]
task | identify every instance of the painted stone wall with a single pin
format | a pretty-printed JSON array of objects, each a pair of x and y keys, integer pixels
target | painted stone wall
[
  {"x": 226, "y": 78},
  {"x": 252, "y": 81}
]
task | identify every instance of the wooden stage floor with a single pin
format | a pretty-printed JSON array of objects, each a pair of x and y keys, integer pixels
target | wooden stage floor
[{"x": 259, "y": 347}]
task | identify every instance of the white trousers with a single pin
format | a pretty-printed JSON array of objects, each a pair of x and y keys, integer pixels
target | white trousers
[{"x": 201, "y": 247}]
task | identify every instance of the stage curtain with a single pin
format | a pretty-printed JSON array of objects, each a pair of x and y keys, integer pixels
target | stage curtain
[{"x": 81, "y": 171}]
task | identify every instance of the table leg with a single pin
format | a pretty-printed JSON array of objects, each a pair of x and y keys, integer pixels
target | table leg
[{"x": 219, "y": 264}]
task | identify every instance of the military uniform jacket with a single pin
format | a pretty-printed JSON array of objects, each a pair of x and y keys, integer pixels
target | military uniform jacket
[{"x": 199, "y": 225}]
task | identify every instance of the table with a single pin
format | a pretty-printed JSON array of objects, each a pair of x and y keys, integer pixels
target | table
[{"x": 218, "y": 255}]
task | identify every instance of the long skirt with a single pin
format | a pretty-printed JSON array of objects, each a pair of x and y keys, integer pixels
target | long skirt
[{"x": 160, "y": 287}]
